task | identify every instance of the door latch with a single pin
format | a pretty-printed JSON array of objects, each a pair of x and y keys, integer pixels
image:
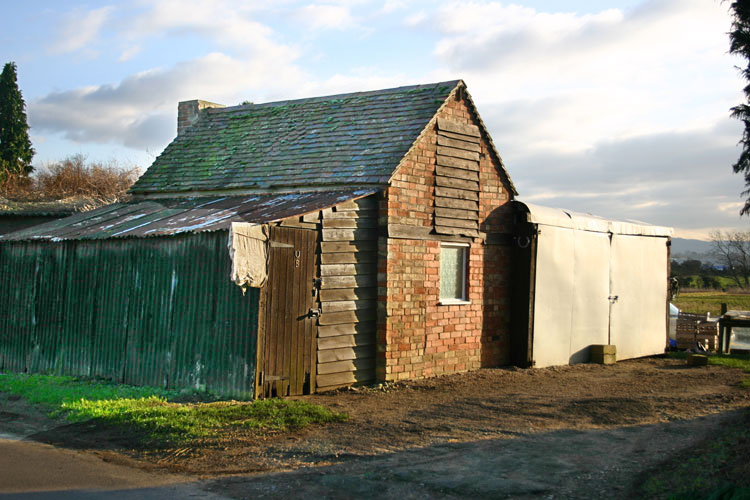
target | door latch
[
  {"x": 613, "y": 298},
  {"x": 313, "y": 313}
]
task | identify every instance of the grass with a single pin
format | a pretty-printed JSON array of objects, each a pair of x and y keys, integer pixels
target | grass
[
  {"x": 155, "y": 414},
  {"x": 729, "y": 360},
  {"x": 703, "y": 302},
  {"x": 717, "y": 468},
  {"x": 741, "y": 361}
]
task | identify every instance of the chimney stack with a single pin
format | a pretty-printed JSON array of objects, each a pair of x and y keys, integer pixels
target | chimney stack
[{"x": 188, "y": 112}]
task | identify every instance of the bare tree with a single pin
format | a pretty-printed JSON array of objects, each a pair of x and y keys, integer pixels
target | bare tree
[{"x": 732, "y": 248}]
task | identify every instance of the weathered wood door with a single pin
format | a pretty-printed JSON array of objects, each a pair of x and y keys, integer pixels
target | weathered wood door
[{"x": 287, "y": 332}]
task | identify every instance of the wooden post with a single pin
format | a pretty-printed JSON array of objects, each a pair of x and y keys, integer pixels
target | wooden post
[{"x": 723, "y": 331}]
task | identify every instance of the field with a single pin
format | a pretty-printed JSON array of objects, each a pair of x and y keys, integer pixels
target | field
[{"x": 701, "y": 302}]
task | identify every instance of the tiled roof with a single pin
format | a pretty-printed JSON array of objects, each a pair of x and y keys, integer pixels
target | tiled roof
[
  {"x": 167, "y": 217},
  {"x": 325, "y": 142}
]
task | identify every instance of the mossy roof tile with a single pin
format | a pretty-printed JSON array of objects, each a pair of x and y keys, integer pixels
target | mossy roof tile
[{"x": 352, "y": 139}]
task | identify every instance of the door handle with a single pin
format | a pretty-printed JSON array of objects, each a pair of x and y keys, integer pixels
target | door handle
[{"x": 313, "y": 313}]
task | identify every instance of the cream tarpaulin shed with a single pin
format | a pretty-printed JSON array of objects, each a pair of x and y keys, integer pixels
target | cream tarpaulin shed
[{"x": 581, "y": 280}]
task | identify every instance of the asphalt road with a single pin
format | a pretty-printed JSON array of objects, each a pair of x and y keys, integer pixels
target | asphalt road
[{"x": 30, "y": 470}]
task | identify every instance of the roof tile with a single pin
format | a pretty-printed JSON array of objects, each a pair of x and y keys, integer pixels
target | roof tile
[{"x": 355, "y": 139}]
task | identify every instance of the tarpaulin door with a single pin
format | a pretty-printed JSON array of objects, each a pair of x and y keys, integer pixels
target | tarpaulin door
[
  {"x": 638, "y": 292},
  {"x": 287, "y": 335}
]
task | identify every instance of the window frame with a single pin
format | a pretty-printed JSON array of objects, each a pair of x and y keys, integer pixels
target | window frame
[{"x": 464, "y": 299}]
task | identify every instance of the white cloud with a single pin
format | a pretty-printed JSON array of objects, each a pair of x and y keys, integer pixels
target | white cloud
[
  {"x": 78, "y": 29},
  {"x": 140, "y": 111},
  {"x": 732, "y": 207},
  {"x": 233, "y": 25},
  {"x": 326, "y": 16},
  {"x": 393, "y": 5},
  {"x": 681, "y": 179},
  {"x": 129, "y": 53},
  {"x": 583, "y": 78},
  {"x": 416, "y": 19}
]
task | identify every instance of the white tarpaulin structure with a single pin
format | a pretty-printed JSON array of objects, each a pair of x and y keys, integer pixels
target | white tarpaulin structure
[{"x": 593, "y": 281}]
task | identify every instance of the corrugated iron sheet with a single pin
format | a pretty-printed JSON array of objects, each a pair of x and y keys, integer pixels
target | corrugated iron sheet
[
  {"x": 158, "y": 312},
  {"x": 149, "y": 218}
]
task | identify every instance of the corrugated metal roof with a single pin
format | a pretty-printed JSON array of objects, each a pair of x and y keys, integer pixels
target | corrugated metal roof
[
  {"x": 166, "y": 217},
  {"x": 355, "y": 139}
]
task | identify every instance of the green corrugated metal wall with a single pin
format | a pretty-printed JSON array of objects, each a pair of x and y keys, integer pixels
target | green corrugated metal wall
[{"x": 150, "y": 311}]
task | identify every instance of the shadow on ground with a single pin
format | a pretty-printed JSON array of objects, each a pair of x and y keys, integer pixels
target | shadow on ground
[{"x": 564, "y": 464}]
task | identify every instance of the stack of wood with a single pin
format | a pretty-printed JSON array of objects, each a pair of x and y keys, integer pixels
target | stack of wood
[{"x": 695, "y": 328}]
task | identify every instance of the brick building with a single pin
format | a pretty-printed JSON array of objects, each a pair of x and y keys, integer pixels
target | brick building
[{"x": 389, "y": 223}]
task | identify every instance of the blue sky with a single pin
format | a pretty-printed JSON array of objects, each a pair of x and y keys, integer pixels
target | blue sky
[{"x": 618, "y": 108}]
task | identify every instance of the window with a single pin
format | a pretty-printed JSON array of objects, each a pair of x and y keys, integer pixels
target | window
[{"x": 453, "y": 273}]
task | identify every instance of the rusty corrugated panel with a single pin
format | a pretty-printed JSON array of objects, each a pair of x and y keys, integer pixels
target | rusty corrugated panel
[
  {"x": 157, "y": 311},
  {"x": 170, "y": 217}
]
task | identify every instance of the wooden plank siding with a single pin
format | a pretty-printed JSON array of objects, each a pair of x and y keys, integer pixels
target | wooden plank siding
[
  {"x": 348, "y": 294},
  {"x": 457, "y": 179}
]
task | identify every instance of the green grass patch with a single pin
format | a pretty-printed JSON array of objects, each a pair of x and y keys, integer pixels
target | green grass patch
[
  {"x": 729, "y": 360},
  {"x": 703, "y": 302},
  {"x": 54, "y": 391},
  {"x": 715, "y": 469},
  {"x": 154, "y": 415}
]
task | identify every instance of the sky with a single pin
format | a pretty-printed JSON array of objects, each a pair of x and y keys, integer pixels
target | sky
[{"x": 616, "y": 108}]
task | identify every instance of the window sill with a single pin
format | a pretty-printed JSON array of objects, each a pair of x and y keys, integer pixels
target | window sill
[{"x": 453, "y": 302}]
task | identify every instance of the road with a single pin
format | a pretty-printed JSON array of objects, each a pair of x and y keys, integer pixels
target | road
[{"x": 30, "y": 471}]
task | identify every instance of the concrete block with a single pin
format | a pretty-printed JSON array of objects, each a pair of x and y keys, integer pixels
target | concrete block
[
  {"x": 604, "y": 354},
  {"x": 697, "y": 360}
]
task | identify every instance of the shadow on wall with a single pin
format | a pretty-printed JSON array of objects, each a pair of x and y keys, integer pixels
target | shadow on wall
[{"x": 497, "y": 283}]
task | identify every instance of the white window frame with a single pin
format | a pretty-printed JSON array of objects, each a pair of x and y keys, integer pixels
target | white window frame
[{"x": 464, "y": 275}]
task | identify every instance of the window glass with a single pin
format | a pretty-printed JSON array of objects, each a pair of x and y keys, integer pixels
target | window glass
[{"x": 452, "y": 272}]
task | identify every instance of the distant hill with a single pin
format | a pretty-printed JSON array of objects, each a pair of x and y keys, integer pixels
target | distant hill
[{"x": 683, "y": 249}]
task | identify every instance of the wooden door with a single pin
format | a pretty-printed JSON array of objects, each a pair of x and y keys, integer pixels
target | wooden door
[{"x": 287, "y": 332}]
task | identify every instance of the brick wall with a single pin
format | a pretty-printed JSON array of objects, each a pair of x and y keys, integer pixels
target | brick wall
[
  {"x": 418, "y": 337},
  {"x": 188, "y": 112}
]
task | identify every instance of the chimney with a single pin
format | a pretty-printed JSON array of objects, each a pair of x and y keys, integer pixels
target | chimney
[{"x": 188, "y": 112}]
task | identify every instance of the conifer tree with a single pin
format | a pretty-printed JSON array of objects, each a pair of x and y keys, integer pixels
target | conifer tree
[
  {"x": 15, "y": 146},
  {"x": 739, "y": 43}
]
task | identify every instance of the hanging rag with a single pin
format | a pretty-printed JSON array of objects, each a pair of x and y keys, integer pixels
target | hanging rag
[{"x": 248, "y": 249}]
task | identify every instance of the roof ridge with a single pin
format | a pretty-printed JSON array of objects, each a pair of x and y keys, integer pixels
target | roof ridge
[{"x": 306, "y": 100}]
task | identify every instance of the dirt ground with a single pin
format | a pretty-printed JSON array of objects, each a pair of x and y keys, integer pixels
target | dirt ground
[{"x": 582, "y": 431}]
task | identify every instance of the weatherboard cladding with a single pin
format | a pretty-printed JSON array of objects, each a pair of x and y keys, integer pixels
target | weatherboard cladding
[
  {"x": 167, "y": 217},
  {"x": 354, "y": 139}
]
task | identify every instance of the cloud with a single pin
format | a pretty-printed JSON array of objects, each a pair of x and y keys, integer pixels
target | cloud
[
  {"x": 139, "y": 112},
  {"x": 393, "y": 5},
  {"x": 681, "y": 179},
  {"x": 613, "y": 73},
  {"x": 416, "y": 19},
  {"x": 326, "y": 16},
  {"x": 78, "y": 29},
  {"x": 129, "y": 53}
]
